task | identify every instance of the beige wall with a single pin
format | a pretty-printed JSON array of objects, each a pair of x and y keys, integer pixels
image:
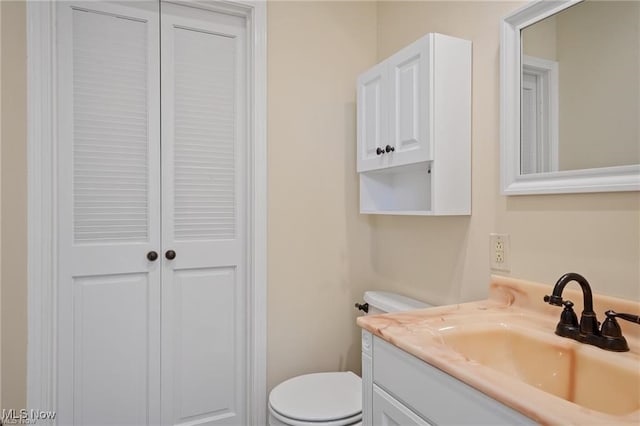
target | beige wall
[
  {"x": 599, "y": 115},
  {"x": 14, "y": 205},
  {"x": 539, "y": 40},
  {"x": 447, "y": 259},
  {"x": 319, "y": 247}
]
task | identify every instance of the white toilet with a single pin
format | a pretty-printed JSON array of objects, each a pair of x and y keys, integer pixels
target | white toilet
[{"x": 330, "y": 399}]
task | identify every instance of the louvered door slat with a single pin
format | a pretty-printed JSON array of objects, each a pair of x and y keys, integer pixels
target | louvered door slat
[
  {"x": 109, "y": 70},
  {"x": 204, "y": 134}
]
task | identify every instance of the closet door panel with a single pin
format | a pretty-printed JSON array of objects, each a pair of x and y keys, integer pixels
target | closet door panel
[
  {"x": 108, "y": 213},
  {"x": 204, "y": 163},
  {"x": 110, "y": 372},
  {"x": 204, "y": 320}
]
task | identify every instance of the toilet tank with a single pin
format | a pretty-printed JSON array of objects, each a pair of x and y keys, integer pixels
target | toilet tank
[{"x": 382, "y": 302}]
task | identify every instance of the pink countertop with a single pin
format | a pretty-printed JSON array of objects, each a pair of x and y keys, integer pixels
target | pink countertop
[{"x": 518, "y": 305}]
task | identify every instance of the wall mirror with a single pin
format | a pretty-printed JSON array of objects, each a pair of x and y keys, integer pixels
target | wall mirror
[{"x": 570, "y": 97}]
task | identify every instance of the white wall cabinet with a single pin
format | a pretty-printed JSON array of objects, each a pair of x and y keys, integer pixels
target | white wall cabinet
[
  {"x": 399, "y": 388},
  {"x": 414, "y": 130}
]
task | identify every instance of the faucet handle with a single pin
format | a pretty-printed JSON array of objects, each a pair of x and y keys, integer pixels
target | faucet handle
[
  {"x": 612, "y": 333},
  {"x": 568, "y": 316},
  {"x": 610, "y": 327},
  {"x": 628, "y": 317},
  {"x": 568, "y": 325}
]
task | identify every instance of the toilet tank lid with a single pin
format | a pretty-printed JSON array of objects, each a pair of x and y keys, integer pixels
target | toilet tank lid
[{"x": 392, "y": 302}]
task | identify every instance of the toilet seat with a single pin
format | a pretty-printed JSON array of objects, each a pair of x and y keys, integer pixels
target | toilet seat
[
  {"x": 355, "y": 420},
  {"x": 327, "y": 399}
]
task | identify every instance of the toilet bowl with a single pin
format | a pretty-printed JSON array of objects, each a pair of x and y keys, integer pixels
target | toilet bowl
[
  {"x": 333, "y": 398},
  {"x": 317, "y": 399}
]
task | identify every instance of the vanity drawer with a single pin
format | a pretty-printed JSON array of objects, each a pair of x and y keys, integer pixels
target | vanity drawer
[
  {"x": 388, "y": 411},
  {"x": 436, "y": 396}
]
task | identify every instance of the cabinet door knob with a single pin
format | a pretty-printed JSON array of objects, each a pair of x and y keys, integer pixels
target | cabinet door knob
[
  {"x": 389, "y": 148},
  {"x": 379, "y": 151},
  {"x": 170, "y": 254},
  {"x": 152, "y": 256}
]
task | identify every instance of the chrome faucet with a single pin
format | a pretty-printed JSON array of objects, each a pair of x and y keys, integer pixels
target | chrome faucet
[{"x": 587, "y": 330}]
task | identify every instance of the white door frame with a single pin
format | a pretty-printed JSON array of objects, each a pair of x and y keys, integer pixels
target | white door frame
[
  {"x": 42, "y": 204},
  {"x": 547, "y": 122}
]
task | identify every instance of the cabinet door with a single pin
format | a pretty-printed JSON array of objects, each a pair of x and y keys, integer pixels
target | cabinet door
[
  {"x": 372, "y": 118},
  {"x": 409, "y": 106},
  {"x": 387, "y": 411}
]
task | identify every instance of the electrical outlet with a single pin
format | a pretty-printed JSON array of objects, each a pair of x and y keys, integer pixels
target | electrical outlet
[{"x": 499, "y": 251}]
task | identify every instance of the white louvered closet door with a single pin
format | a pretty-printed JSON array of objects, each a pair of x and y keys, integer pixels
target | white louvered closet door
[
  {"x": 108, "y": 77},
  {"x": 148, "y": 166},
  {"x": 203, "y": 208}
]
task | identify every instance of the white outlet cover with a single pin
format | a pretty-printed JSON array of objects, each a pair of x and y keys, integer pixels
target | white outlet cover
[{"x": 499, "y": 252}]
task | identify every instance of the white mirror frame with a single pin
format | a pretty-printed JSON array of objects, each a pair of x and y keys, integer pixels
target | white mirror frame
[{"x": 512, "y": 182}]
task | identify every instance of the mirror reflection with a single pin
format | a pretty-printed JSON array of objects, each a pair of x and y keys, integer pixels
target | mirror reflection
[{"x": 580, "y": 99}]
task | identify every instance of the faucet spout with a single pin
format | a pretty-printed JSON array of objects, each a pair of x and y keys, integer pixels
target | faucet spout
[
  {"x": 588, "y": 321},
  {"x": 556, "y": 296}
]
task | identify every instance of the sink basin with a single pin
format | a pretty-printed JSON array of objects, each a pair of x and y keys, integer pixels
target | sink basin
[
  {"x": 505, "y": 348},
  {"x": 603, "y": 381}
]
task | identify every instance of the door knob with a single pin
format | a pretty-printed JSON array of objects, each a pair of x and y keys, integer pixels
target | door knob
[
  {"x": 389, "y": 148},
  {"x": 152, "y": 255},
  {"x": 379, "y": 151},
  {"x": 170, "y": 254}
]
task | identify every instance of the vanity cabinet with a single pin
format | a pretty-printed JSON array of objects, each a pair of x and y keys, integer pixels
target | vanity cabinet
[
  {"x": 414, "y": 130},
  {"x": 400, "y": 388}
]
